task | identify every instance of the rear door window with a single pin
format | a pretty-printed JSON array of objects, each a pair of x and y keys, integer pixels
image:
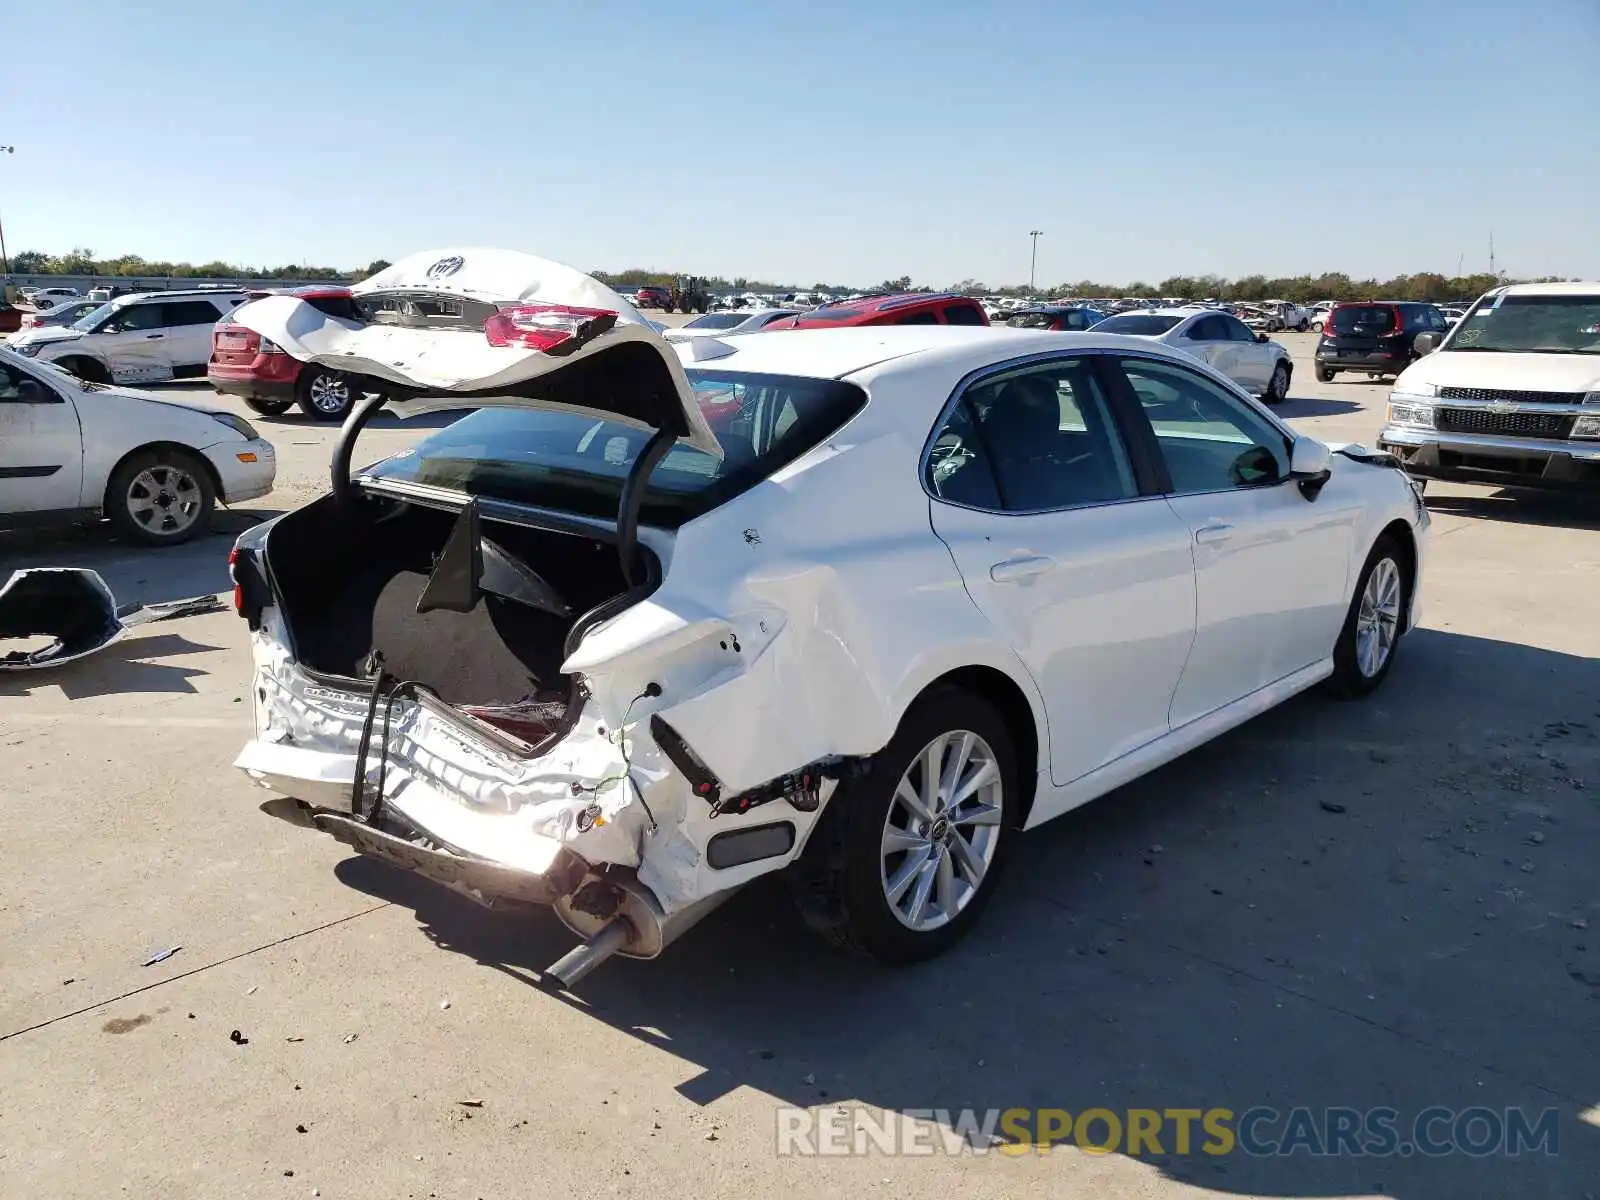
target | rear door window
[
  {"x": 191, "y": 312},
  {"x": 962, "y": 314},
  {"x": 926, "y": 317}
]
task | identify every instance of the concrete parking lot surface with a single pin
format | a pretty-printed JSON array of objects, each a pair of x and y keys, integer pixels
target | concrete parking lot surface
[{"x": 1389, "y": 903}]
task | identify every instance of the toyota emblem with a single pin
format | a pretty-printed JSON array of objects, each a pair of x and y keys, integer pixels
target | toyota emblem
[{"x": 445, "y": 267}]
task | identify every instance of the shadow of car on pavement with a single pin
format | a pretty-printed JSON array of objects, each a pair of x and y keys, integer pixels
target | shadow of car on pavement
[{"x": 1380, "y": 904}]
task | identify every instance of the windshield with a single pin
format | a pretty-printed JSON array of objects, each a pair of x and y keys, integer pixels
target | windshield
[
  {"x": 716, "y": 321},
  {"x": 1145, "y": 324},
  {"x": 578, "y": 464},
  {"x": 91, "y": 319},
  {"x": 1540, "y": 324}
]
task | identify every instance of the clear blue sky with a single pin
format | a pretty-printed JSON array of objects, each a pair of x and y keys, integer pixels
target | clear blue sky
[{"x": 833, "y": 140}]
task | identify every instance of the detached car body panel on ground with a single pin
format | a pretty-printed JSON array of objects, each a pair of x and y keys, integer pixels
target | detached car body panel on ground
[
  {"x": 71, "y": 450},
  {"x": 1510, "y": 396},
  {"x": 655, "y": 620}
]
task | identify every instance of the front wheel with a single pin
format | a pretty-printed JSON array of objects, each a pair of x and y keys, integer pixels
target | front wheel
[
  {"x": 1371, "y": 635},
  {"x": 160, "y": 497},
  {"x": 1324, "y": 375},
  {"x": 326, "y": 395},
  {"x": 270, "y": 408},
  {"x": 1304, "y": 325},
  {"x": 1317, "y": 325},
  {"x": 907, "y": 855},
  {"x": 1278, "y": 387}
]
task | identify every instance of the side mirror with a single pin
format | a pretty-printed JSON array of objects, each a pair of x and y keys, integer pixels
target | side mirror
[
  {"x": 1308, "y": 465},
  {"x": 1426, "y": 343},
  {"x": 1262, "y": 338}
]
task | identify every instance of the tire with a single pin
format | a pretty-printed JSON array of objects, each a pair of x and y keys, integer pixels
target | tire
[
  {"x": 1317, "y": 325},
  {"x": 1372, "y": 630},
  {"x": 160, "y": 497},
  {"x": 1303, "y": 326},
  {"x": 325, "y": 395},
  {"x": 88, "y": 369},
  {"x": 1278, "y": 386},
  {"x": 270, "y": 408},
  {"x": 843, "y": 881},
  {"x": 1324, "y": 375}
]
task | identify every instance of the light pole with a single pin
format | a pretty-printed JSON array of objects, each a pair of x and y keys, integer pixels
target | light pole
[
  {"x": 1033, "y": 262},
  {"x": 5, "y": 259}
]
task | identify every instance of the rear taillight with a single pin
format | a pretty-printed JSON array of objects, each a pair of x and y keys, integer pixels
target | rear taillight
[
  {"x": 233, "y": 574},
  {"x": 549, "y": 328},
  {"x": 1399, "y": 319}
]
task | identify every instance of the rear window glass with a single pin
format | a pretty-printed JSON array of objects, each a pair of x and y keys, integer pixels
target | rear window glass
[
  {"x": 1362, "y": 320},
  {"x": 1032, "y": 320},
  {"x": 575, "y": 463},
  {"x": 1146, "y": 324}
]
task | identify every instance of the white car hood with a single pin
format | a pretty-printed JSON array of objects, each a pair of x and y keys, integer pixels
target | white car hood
[
  {"x": 453, "y": 368},
  {"x": 39, "y": 334},
  {"x": 1485, "y": 369}
]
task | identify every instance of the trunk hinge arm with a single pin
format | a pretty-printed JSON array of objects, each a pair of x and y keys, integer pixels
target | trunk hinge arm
[
  {"x": 364, "y": 410},
  {"x": 633, "y": 499}
]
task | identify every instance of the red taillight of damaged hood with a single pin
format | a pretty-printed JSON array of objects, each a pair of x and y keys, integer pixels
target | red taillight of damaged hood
[{"x": 548, "y": 328}]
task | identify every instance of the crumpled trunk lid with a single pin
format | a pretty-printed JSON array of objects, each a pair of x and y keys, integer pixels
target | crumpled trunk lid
[{"x": 449, "y": 329}]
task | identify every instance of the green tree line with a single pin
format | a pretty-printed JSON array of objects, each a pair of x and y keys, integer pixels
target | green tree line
[{"x": 1426, "y": 285}]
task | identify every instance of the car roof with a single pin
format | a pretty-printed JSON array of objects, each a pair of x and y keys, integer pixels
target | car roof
[
  {"x": 839, "y": 353},
  {"x": 183, "y": 293},
  {"x": 1571, "y": 287}
]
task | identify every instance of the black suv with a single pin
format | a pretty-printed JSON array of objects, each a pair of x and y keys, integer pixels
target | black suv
[{"x": 1374, "y": 336}]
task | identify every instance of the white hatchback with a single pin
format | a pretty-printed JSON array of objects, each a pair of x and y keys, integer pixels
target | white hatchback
[{"x": 71, "y": 450}]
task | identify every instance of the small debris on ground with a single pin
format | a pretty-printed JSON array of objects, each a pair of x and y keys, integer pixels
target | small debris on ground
[
  {"x": 251, "y": 990},
  {"x": 1330, "y": 806},
  {"x": 238, "y": 1039},
  {"x": 350, "y": 1037},
  {"x": 1536, "y": 838},
  {"x": 712, "y": 1136},
  {"x": 159, "y": 956},
  {"x": 294, "y": 1039},
  {"x": 470, "y": 1103},
  {"x": 443, "y": 1004},
  {"x": 301, "y": 1129}
]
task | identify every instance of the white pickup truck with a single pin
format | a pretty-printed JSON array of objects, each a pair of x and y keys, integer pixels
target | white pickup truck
[{"x": 1285, "y": 314}]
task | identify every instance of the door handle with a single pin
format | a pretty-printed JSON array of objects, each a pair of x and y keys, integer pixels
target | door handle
[
  {"x": 1210, "y": 535},
  {"x": 150, "y": 337},
  {"x": 1015, "y": 570}
]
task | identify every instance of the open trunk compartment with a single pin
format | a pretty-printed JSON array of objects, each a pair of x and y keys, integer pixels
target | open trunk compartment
[{"x": 348, "y": 579}]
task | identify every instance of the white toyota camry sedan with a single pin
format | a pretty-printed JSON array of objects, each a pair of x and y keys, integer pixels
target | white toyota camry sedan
[
  {"x": 860, "y": 605},
  {"x": 1221, "y": 340}
]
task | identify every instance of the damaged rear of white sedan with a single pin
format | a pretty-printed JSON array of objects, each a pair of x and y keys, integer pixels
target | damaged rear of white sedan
[{"x": 858, "y": 605}]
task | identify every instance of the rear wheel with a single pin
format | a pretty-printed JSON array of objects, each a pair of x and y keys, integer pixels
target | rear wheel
[
  {"x": 1324, "y": 375},
  {"x": 1304, "y": 325},
  {"x": 1278, "y": 387},
  {"x": 906, "y": 856},
  {"x": 270, "y": 408},
  {"x": 326, "y": 395},
  {"x": 1371, "y": 635},
  {"x": 1317, "y": 325},
  {"x": 160, "y": 497}
]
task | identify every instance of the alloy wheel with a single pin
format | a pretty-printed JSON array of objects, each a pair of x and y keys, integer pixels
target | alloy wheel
[
  {"x": 330, "y": 393},
  {"x": 164, "y": 500},
  {"x": 942, "y": 830},
  {"x": 1378, "y": 618}
]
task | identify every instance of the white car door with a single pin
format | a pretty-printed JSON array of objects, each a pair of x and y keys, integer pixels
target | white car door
[
  {"x": 1270, "y": 566},
  {"x": 1087, "y": 572},
  {"x": 189, "y": 327},
  {"x": 1253, "y": 360},
  {"x": 133, "y": 343},
  {"x": 41, "y": 446},
  {"x": 1208, "y": 339}
]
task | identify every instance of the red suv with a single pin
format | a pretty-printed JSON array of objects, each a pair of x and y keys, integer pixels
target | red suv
[
  {"x": 245, "y": 364},
  {"x": 652, "y": 296},
  {"x": 896, "y": 308}
]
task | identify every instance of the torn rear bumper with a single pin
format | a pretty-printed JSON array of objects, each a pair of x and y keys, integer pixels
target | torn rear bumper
[{"x": 479, "y": 879}]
